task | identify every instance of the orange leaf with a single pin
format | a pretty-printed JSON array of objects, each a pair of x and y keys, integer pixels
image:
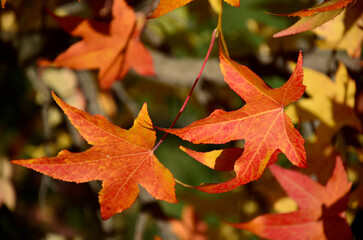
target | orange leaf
[
  {"x": 190, "y": 226},
  {"x": 3, "y": 2},
  {"x": 262, "y": 122},
  {"x": 321, "y": 208},
  {"x": 112, "y": 48},
  {"x": 328, "y": 5},
  {"x": 120, "y": 158},
  {"x": 315, "y": 16},
  {"x": 309, "y": 23},
  {"x": 166, "y": 6}
]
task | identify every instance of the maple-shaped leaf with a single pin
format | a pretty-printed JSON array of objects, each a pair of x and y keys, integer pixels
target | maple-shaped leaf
[
  {"x": 321, "y": 208},
  {"x": 262, "y": 122},
  {"x": 120, "y": 158},
  {"x": 166, "y": 6},
  {"x": 315, "y": 16},
  {"x": 112, "y": 48}
]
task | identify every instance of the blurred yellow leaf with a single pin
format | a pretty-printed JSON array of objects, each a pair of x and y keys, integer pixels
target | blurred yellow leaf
[
  {"x": 329, "y": 101},
  {"x": 7, "y": 191},
  {"x": 8, "y": 22},
  {"x": 64, "y": 82},
  {"x": 345, "y": 32}
]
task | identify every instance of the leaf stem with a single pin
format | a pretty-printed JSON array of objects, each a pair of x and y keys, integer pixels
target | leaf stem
[
  {"x": 220, "y": 31},
  {"x": 192, "y": 89},
  {"x": 183, "y": 184}
]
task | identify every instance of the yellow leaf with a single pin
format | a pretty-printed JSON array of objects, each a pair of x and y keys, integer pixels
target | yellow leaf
[
  {"x": 345, "y": 32},
  {"x": 327, "y": 100}
]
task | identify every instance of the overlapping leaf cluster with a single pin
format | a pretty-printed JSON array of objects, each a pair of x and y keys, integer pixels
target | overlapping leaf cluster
[{"x": 122, "y": 159}]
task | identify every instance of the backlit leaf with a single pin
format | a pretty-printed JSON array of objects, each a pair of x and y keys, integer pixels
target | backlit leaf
[
  {"x": 267, "y": 130},
  {"x": 345, "y": 32},
  {"x": 328, "y": 5},
  {"x": 166, "y": 6},
  {"x": 120, "y": 158},
  {"x": 315, "y": 16},
  {"x": 331, "y": 102},
  {"x": 321, "y": 208},
  {"x": 112, "y": 48}
]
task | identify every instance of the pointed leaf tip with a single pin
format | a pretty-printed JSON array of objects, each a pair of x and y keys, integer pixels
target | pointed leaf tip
[
  {"x": 120, "y": 158},
  {"x": 320, "y": 208},
  {"x": 262, "y": 141},
  {"x": 112, "y": 48}
]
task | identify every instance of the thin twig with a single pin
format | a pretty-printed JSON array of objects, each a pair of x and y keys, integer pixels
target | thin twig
[{"x": 192, "y": 89}]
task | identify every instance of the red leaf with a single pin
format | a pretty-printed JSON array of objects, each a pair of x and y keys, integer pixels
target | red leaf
[
  {"x": 166, "y": 6},
  {"x": 261, "y": 122},
  {"x": 314, "y": 17},
  {"x": 221, "y": 160},
  {"x": 112, "y": 48},
  {"x": 321, "y": 208},
  {"x": 120, "y": 158}
]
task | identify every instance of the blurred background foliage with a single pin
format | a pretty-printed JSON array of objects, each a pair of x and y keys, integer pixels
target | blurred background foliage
[{"x": 33, "y": 206}]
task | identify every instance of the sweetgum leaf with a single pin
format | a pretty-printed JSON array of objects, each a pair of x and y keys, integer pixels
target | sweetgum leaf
[
  {"x": 345, "y": 32},
  {"x": 321, "y": 208},
  {"x": 262, "y": 122},
  {"x": 120, "y": 158},
  {"x": 309, "y": 23},
  {"x": 112, "y": 48},
  {"x": 221, "y": 160},
  {"x": 329, "y": 5},
  {"x": 315, "y": 16},
  {"x": 166, "y": 6}
]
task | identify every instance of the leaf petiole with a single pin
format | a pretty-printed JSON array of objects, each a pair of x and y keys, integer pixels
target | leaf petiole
[
  {"x": 214, "y": 34},
  {"x": 220, "y": 31}
]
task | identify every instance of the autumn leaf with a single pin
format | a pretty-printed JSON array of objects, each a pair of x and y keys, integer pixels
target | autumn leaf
[
  {"x": 314, "y": 17},
  {"x": 220, "y": 160},
  {"x": 190, "y": 226},
  {"x": 321, "y": 208},
  {"x": 267, "y": 130},
  {"x": 331, "y": 102},
  {"x": 3, "y": 2},
  {"x": 166, "y": 6},
  {"x": 345, "y": 32},
  {"x": 112, "y": 48},
  {"x": 327, "y": 5},
  {"x": 120, "y": 158}
]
